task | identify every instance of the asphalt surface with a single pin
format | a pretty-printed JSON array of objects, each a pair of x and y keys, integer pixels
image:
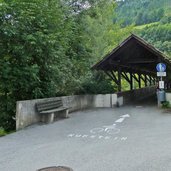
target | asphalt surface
[{"x": 143, "y": 142}]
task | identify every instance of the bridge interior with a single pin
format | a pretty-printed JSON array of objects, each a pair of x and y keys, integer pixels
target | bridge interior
[{"x": 134, "y": 59}]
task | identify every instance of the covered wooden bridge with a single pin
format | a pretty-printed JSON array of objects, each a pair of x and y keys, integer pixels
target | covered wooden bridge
[{"x": 134, "y": 59}]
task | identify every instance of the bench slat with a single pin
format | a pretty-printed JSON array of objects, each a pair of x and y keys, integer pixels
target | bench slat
[
  {"x": 48, "y": 105},
  {"x": 49, "y": 102},
  {"x": 40, "y": 108},
  {"x": 54, "y": 110}
]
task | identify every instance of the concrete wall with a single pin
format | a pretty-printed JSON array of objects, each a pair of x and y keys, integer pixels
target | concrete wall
[
  {"x": 26, "y": 113},
  {"x": 168, "y": 97}
]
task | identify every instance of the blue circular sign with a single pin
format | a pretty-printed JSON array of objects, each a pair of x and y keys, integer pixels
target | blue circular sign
[{"x": 161, "y": 67}]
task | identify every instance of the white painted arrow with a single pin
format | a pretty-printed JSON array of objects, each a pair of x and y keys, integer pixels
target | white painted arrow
[
  {"x": 120, "y": 120},
  {"x": 125, "y": 116}
]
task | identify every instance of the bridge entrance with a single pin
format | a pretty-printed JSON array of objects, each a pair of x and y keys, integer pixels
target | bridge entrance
[{"x": 135, "y": 60}]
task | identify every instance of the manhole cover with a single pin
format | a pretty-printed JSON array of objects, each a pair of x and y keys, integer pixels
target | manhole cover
[{"x": 54, "y": 168}]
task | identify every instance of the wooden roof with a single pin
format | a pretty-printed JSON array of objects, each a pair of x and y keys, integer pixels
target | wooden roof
[{"x": 133, "y": 55}]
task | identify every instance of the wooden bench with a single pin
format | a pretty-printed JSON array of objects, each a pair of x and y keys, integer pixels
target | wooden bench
[{"x": 48, "y": 110}]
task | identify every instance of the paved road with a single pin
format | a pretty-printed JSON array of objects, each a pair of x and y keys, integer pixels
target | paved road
[{"x": 143, "y": 143}]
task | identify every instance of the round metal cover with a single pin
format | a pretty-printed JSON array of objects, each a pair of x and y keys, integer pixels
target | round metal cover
[{"x": 54, "y": 168}]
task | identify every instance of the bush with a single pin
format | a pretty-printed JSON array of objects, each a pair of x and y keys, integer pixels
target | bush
[
  {"x": 7, "y": 121},
  {"x": 97, "y": 84},
  {"x": 166, "y": 104},
  {"x": 2, "y": 132}
]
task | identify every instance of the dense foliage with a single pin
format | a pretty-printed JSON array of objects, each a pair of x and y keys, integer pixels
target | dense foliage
[
  {"x": 152, "y": 20},
  {"x": 30, "y": 46},
  {"x": 142, "y": 11},
  {"x": 48, "y": 48},
  {"x": 158, "y": 35}
]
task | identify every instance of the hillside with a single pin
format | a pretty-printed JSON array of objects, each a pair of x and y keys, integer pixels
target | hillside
[
  {"x": 158, "y": 35},
  {"x": 141, "y": 12},
  {"x": 151, "y": 20}
]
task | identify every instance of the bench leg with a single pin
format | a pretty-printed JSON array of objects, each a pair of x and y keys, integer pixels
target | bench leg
[
  {"x": 64, "y": 114},
  {"x": 50, "y": 118},
  {"x": 67, "y": 113}
]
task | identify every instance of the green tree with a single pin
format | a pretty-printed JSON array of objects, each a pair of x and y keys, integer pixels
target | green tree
[
  {"x": 34, "y": 37},
  {"x": 48, "y": 48}
]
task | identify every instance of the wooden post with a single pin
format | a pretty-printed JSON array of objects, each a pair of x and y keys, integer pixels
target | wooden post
[
  {"x": 139, "y": 80},
  {"x": 131, "y": 81},
  {"x": 145, "y": 80},
  {"x": 150, "y": 80},
  {"x": 154, "y": 80},
  {"x": 119, "y": 80},
  {"x": 126, "y": 77}
]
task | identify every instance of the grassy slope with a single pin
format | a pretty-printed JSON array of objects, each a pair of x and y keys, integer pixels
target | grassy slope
[
  {"x": 145, "y": 25},
  {"x": 159, "y": 35}
]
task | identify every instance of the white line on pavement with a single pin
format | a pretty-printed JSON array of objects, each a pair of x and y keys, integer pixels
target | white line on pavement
[
  {"x": 71, "y": 135},
  {"x": 96, "y": 137},
  {"x": 120, "y": 120},
  {"x": 84, "y": 136},
  {"x": 124, "y": 138},
  {"x": 125, "y": 116}
]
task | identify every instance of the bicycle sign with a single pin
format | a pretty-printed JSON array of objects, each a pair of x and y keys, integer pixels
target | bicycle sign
[
  {"x": 161, "y": 67},
  {"x": 110, "y": 129}
]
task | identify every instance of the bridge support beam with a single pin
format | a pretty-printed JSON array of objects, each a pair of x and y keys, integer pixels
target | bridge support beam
[
  {"x": 131, "y": 81},
  {"x": 139, "y": 80},
  {"x": 128, "y": 79},
  {"x": 150, "y": 81},
  {"x": 145, "y": 80},
  {"x": 116, "y": 78},
  {"x": 119, "y": 80}
]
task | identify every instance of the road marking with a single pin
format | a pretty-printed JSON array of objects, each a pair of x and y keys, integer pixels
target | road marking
[
  {"x": 120, "y": 120},
  {"x": 100, "y": 137},
  {"x": 96, "y": 137},
  {"x": 78, "y": 136},
  {"x": 71, "y": 135},
  {"x": 84, "y": 136},
  {"x": 107, "y": 138},
  {"x": 123, "y": 138},
  {"x": 125, "y": 116}
]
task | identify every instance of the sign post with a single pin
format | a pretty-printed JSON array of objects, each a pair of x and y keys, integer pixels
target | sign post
[{"x": 161, "y": 68}]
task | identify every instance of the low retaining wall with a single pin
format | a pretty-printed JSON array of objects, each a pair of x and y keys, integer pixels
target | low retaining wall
[
  {"x": 168, "y": 97},
  {"x": 131, "y": 96},
  {"x": 26, "y": 113}
]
